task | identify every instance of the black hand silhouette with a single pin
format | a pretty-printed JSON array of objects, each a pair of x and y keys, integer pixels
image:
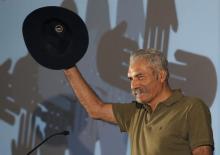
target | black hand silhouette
[
  {"x": 27, "y": 138},
  {"x": 7, "y": 107},
  {"x": 196, "y": 75},
  {"x": 58, "y": 116},
  {"x": 161, "y": 16},
  {"x": 69, "y": 4},
  {"x": 113, "y": 55},
  {"x": 24, "y": 81}
]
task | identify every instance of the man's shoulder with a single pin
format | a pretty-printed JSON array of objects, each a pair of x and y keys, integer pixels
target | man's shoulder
[{"x": 194, "y": 102}]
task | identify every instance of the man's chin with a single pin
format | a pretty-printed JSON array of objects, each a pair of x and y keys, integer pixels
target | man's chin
[{"x": 142, "y": 101}]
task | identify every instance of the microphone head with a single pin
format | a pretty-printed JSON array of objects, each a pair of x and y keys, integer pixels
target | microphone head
[{"x": 65, "y": 132}]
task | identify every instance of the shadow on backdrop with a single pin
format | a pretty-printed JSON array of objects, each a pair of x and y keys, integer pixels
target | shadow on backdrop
[
  {"x": 161, "y": 17},
  {"x": 133, "y": 14},
  {"x": 61, "y": 110},
  {"x": 24, "y": 83},
  {"x": 196, "y": 75},
  {"x": 57, "y": 114},
  {"x": 97, "y": 21},
  {"x": 113, "y": 55},
  {"x": 110, "y": 139},
  {"x": 114, "y": 48},
  {"x": 24, "y": 94},
  {"x": 7, "y": 103},
  {"x": 27, "y": 135}
]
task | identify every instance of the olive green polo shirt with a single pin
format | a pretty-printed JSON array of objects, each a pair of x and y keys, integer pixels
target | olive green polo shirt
[{"x": 177, "y": 125}]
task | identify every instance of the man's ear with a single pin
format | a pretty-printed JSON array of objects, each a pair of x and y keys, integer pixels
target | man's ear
[{"x": 162, "y": 75}]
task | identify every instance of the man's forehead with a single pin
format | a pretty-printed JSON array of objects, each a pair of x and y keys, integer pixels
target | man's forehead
[
  {"x": 139, "y": 68},
  {"x": 134, "y": 73}
]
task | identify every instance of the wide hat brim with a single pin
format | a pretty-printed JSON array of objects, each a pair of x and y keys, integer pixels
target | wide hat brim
[{"x": 55, "y": 37}]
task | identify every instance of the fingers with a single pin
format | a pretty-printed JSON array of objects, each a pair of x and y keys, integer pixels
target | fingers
[
  {"x": 159, "y": 38},
  {"x": 32, "y": 132},
  {"x": 7, "y": 117},
  {"x": 7, "y": 106},
  {"x": 187, "y": 57},
  {"x": 13, "y": 147},
  {"x": 6, "y": 65},
  {"x": 26, "y": 129},
  {"x": 21, "y": 129},
  {"x": 128, "y": 44},
  {"x": 146, "y": 37},
  {"x": 38, "y": 136},
  {"x": 152, "y": 36},
  {"x": 177, "y": 72},
  {"x": 120, "y": 28}
]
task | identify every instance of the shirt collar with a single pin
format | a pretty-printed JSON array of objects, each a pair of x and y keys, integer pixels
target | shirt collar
[{"x": 176, "y": 95}]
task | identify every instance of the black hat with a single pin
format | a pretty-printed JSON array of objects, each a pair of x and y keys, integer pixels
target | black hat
[{"x": 56, "y": 38}]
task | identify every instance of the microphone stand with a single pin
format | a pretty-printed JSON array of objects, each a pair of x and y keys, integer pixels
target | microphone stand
[{"x": 55, "y": 134}]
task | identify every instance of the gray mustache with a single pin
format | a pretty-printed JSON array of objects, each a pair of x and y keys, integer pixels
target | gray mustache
[{"x": 136, "y": 91}]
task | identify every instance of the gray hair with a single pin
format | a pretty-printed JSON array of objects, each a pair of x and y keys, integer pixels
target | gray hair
[{"x": 154, "y": 57}]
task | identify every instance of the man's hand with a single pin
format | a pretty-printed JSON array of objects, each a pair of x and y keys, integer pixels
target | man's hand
[{"x": 202, "y": 150}]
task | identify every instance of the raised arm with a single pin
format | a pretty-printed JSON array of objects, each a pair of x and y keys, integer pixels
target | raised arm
[{"x": 88, "y": 98}]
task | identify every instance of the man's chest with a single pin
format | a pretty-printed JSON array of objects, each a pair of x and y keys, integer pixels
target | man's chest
[{"x": 161, "y": 130}]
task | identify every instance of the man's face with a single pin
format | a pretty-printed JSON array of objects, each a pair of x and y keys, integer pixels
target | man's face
[{"x": 146, "y": 84}]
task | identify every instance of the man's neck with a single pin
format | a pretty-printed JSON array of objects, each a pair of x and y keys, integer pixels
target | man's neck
[{"x": 165, "y": 93}]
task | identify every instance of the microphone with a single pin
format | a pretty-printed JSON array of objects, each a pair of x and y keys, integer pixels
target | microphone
[{"x": 55, "y": 134}]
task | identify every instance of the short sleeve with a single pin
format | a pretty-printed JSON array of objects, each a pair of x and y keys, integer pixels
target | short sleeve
[
  {"x": 199, "y": 121},
  {"x": 123, "y": 114}
]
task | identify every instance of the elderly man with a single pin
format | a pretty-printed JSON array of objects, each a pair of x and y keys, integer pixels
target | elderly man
[{"x": 161, "y": 121}]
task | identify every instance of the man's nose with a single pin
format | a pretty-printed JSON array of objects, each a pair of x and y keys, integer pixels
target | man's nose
[{"x": 134, "y": 84}]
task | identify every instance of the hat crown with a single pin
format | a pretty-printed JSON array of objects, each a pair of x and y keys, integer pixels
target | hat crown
[{"x": 55, "y": 37}]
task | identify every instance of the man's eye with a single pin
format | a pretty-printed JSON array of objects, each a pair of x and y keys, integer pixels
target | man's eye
[
  {"x": 129, "y": 78},
  {"x": 140, "y": 78}
]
